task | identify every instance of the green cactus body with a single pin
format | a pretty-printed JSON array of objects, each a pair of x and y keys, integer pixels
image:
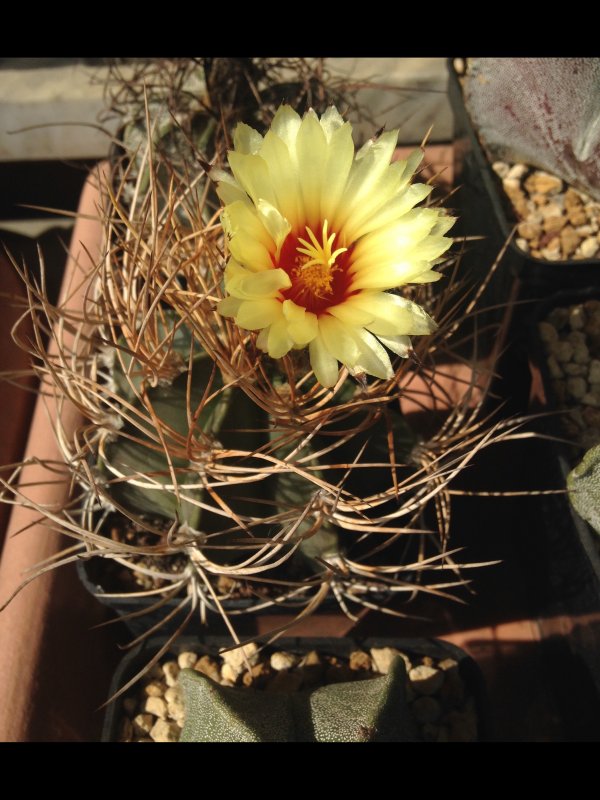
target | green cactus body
[
  {"x": 584, "y": 487},
  {"x": 357, "y": 711}
]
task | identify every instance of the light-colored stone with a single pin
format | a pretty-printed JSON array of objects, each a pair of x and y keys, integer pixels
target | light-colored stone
[
  {"x": 239, "y": 658},
  {"x": 311, "y": 659},
  {"x": 591, "y": 399},
  {"x": 229, "y": 674},
  {"x": 282, "y": 660},
  {"x": 569, "y": 240},
  {"x": 171, "y": 672},
  {"x": 554, "y": 367},
  {"x": 155, "y": 689},
  {"x": 174, "y": 694},
  {"x": 528, "y": 230},
  {"x": 581, "y": 355},
  {"x": 501, "y": 168},
  {"x": 551, "y": 210},
  {"x": 523, "y": 244},
  {"x": 577, "y": 337},
  {"x": 589, "y": 247},
  {"x": 543, "y": 183},
  {"x": 426, "y": 679},
  {"x": 426, "y": 710},
  {"x": 156, "y": 706},
  {"x": 360, "y": 661},
  {"x": 164, "y": 731},
  {"x": 574, "y": 369},
  {"x": 594, "y": 371},
  {"x": 577, "y": 217},
  {"x": 209, "y": 667},
  {"x": 554, "y": 224},
  {"x": 548, "y": 332},
  {"x": 563, "y": 351},
  {"x": 576, "y": 387},
  {"x": 143, "y": 723},
  {"x": 517, "y": 171},
  {"x": 187, "y": 659},
  {"x": 382, "y": 658},
  {"x": 551, "y": 254}
]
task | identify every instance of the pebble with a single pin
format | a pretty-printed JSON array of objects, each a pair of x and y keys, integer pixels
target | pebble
[
  {"x": 589, "y": 247},
  {"x": 543, "y": 183},
  {"x": 237, "y": 659},
  {"x": 547, "y": 209},
  {"x": 171, "y": 671},
  {"x": 563, "y": 351},
  {"x": 425, "y": 679},
  {"x": 594, "y": 371},
  {"x": 591, "y": 399},
  {"x": 157, "y": 706},
  {"x": 360, "y": 661},
  {"x": 154, "y": 689},
  {"x": 229, "y": 674},
  {"x": 282, "y": 660},
  {"x": 209, "y": 667},
  {"x": 517, "y": 171},
  {"x": 382, "y": 658},
  {"x": 186, "y": 659},
  {"x": 142, "y": 723},
  {"x": 573, "y": 369},
  {"x": 581, "y": 355},
  {"x": 548, "y": 332},
  {"x": 576, "y": 387},
  {"x": 554, "y": 368},
  {"x": 164, "y": 731}
]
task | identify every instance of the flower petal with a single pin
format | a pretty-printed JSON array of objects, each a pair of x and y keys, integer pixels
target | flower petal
[
  {"x": 279, "y": 341},
  {"x": 311, "y": 149},
  {"x": 276, "y": 224},
  {"x": 324, "y": 365},
  {"x": 248, "y": 285},
  {"x": 256, "y": 314},
  {"x": 401, "y": 345},
  {"x": 286, "y": 123},
  {"x": 391, "y": 315},
  {"x": 301, "y": 324},
  {"x": 246, "y": 139}
]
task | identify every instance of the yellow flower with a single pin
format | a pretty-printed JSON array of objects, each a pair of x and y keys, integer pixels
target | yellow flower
[{"x": 317, "y": 234}]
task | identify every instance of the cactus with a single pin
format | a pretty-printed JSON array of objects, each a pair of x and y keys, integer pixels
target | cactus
[
  {"x": 541, "y": 111},
  {"x": 217, "y": 416},
  {"x": 373, "y": 710},
  {"x": 583, "y": 483}
]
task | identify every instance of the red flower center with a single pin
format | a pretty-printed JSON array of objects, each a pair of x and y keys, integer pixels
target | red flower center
[{"x": 319, "y": 273}]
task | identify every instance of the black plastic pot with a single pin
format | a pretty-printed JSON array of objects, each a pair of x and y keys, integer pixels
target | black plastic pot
[
  {"x": 565, "y": 455},
  {"x": 489, "y": 212},
  {"x": 145, "y": 618},
  {"x": 340, "y": 647}
]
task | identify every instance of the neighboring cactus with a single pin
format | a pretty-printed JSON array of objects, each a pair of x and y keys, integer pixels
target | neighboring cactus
[
  {"x": 371, "y": 710},
  {"x": 541, "y": 111},
  {"x": 583, "y": 484}
]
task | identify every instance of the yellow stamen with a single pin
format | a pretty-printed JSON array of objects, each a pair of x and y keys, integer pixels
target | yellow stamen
[{"x": 317, "y": 262}]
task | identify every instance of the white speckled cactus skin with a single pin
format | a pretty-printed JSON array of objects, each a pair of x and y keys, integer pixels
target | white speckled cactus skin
[
  {"x": 541, "y": 111},
  {"x": 374, "y": 710}
]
